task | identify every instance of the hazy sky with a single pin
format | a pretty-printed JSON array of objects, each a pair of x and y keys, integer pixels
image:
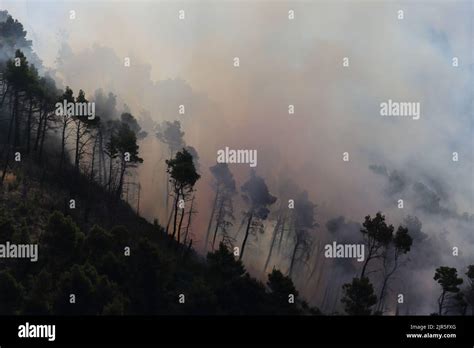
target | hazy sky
[{"x": 295, "y": 62}]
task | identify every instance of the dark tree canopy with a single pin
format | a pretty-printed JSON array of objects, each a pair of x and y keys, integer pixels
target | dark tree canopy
[{"x": 359, "y": 297}]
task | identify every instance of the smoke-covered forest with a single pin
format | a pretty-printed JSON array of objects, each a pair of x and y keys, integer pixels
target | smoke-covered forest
[{"x": 133, "y": 211}]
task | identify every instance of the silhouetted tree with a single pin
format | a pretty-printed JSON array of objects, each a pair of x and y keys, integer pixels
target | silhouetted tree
[
  {"x": 470, "y": 290},
  {"x": 447, "y": 277},
  {"x": 304, "y": 222},
  {"x": 82, "y": 131},
  {"x": 106, "y": 109},
  {"x": 47, "y": 117},
  {"x": 191, "y": 212},
  {"x": 358, "y": 297},
  {"x": 255, "y": 193},
  {"x": 127, "y": 152},
  {"x": 183, "y": 177},
  {"x": 286, "y": 190},
  {"x": 281, "y": 288},
  {"x": 170, "y": 134},
  {"x": 13, "y": 37},
  {"x": 400, "y": 245},
  {"x": 222, "y": 263},
  {"x": 132, "y": 123},
  {"x": 111, "y": 150},
  {"x": 224, "y": 185},
  {"x": 377, "y": 235},
  {"x": 65, "y": 120},
  {"x": 17, "y": 77},
  {"x": 33, "y": 96}
]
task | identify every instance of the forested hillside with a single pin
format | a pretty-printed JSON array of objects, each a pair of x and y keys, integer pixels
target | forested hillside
[
  {"x": 68, "y": 185},
  {"x": 96, "y": 255}
]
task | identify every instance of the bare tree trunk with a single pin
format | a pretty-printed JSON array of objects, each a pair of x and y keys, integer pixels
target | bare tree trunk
[
  {"x": 138, "y": 202},
  {"x": 293, "y": 257},
  {"x": 40, "y": 126},
  {"x": 175, "y": 212},
  {"x": 89, "y": 186},
  {"x": 189, "y": 220},
  {"x": 5, "y": 167},
  {"x": 122, "y": 175},
  {"x": 275, "y": 231},
  {"x": 111, "y": 163},
  {"x": 218, "y": 222},
  {"x": 43, "y": 136},
  {"x": 320, "y": 275},
  {"x": 441, "y": 302},
  {"x": 102, "y": 168},
  {"x": 7, "y": 158},
  {"x": 93, "y": 161},
  {"x": 384, "y": 286},
  {"x": 210, "y": 219},
  {"x": 246, "y": 236},
  {"x": 315, "y": 267},
  {"x": 28, "y": 127},
  {"x": 167, "y": 178},
  {"x": 336, "y": 299},
  {"x": 78, "y": 136},
  {"x": 242, "y": 223},
  {"x": 325, "y": 297},
  {"x": 181, "y": 222},
  {"x": 16, "y": 101},
  {"x": 4, "y": 96},
  {"x": 281, "y": 235},
  {"x": 369, "y": 257},
  {"x": 63, "y": 143},
  {"x": 169, "y": 220}
]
